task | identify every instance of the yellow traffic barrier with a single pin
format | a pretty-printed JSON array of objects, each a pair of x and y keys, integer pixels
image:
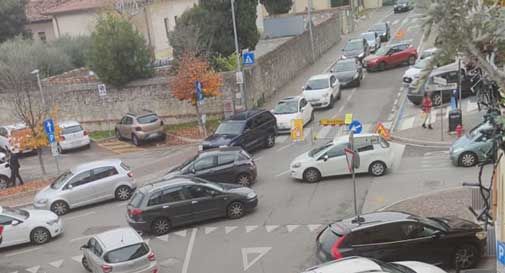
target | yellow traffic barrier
[
  {"x": 332, "y": 122},
  {"x": 382, "y": 131},
  {"x": 297, "y": 130}
]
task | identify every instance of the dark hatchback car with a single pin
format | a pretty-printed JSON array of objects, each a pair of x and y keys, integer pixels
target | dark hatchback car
[
  {"x": 249, "y": 130},
  {"x": 383, "y": 30},
  {"x": 348, "y": 72},
  {"x": 398, "y": 236},
  {"x": 402, "y": 6},
  {"x": 228, "y": 165},
  {"x": 158, "y": 207},
  {"x": 356, "y": 48}
]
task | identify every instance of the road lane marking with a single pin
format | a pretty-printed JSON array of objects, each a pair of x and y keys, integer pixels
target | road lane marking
[
  {"x": 313, "y": 228},
  {"x": 81, "y": 238},
  {"x": 257, "y": 158},
  {"x": 283, "y": 173},
  {"x": 260, "y": 251},
  {"x": 292, "y": 227},
  {"x": 121, "y": 204},
  {"x": 163, "y": 238},
  {"x": 250, "y": 228},
  {"x": 77, "y": 258},
  {"x": 229, "y": 229},
  {"x": 79, "y": 216},
  {"x": 185, "y": 265},
  {"x": 281, "y": 139},
  {"x": 33, "y": 269},
  {"x": 209, "y": 229},
  {"x": 181, "y": 233},
  {"x": 285, "y": 146},
  {"x": 395, "y": 22},
  {"x": 56, "y": 264},
  {"x": 22, "y": 252},
  {"x": 271, "y": 228}
]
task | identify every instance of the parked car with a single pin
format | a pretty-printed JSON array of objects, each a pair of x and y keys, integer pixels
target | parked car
[
  {"x": 160, "y": 206},
  {"x": 440, "y": 93},
  {"x": 399, "y": 236},
  {"x": 227, "y": 165},
  {"x": 22, "y": 226},
  {"x": 383, "y": 29},
  {"x": 72, "y": 136},
  {"x": 402, "y": 6},
  {"x": 414, "y": 72},
  {"x": 356, "y": 264},
  {"x": 250, "y": 130},
  {"x": 85, "y": 184},
  {"x": 473, "y": 147},
  {"x": 5, "y": 171},
  {"x": 140, "y": 127},
  {"x": 373, "y": 39},
  {"x": 291, "y": 108},
  {"x": 356, "y": 48},
  {"x": 11, "y": 137},
  {"x": 322, "y": 90},
  {"x": 390, "y": 56},
  {"x": 348, "y": 72},
  {"x": 428, "y": 52},
  {"x": 120, "y": 250},
  {"x": 330, "y": 160}
]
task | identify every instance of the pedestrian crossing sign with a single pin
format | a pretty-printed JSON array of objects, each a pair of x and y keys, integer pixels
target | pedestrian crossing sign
[{"x": 248, "y": 58}]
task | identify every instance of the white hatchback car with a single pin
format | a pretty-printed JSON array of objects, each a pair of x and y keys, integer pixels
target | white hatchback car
[
  {"x": 9, "y": 135},
  {"x": 5, "y": 171},
  {"x": 72, "y": 136},
  {"x": 292, "y": 108},
  {"x": 322, "y": 90},
  {"x": 25, "y": 226},
  {"x": 329, "y": 160}
]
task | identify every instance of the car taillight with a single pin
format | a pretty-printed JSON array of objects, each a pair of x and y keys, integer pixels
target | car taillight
[
  {"x": 135, "y": 212},
  {"x": 130, "y": 174},
  {"x": 151, "y": 257},
  {"x": 155, "y": 270},
  {"x": 106, "y": 268},
  {"x": 85, "y": 133},
  {"x": 335, "y": 251},
  {"x": 62, "y": 137},
  {"x": 138, "y": 128}
]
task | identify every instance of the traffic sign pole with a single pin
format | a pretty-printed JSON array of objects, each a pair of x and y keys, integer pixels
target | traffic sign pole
[
  {"x": 353, "y": 173},
  {"x": 239, "y": 69}
]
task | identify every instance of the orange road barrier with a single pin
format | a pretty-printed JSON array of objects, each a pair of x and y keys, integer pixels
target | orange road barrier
[{"x": 382, "y": 131}]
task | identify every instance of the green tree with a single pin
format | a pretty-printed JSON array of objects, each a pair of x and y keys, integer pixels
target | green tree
[
  {"x": 76, "y": 48},
  {"x": 277, "y": 6},
  {"x": 187, "y": 35},
  {"x": 12, "y": 18},
  {"x": 118, "y": 53}
]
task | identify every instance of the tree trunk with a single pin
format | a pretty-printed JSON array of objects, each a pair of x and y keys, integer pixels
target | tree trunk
[
  {"x": 203, "y": 129},
  {"x": 41, "y": 161}
]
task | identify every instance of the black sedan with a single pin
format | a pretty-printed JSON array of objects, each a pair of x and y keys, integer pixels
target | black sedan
[
  {"x": 349, "y": 72},
  {"x": 356, "y": 48},
  {"x": 383, "y": 30},
  {"x": 398, "y": 236},
  {"x": 402, "y": 6}
]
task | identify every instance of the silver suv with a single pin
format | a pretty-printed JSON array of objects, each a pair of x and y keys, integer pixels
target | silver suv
[
  {"x": 120, "y": 250},
  {"x": 139, "y": 127},
  {"x": 86, "y": 184}
]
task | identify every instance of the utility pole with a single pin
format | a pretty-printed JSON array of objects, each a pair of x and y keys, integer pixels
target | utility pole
[
  {"x": 459, "y": 82},
  {"x": 239, "y": 69},
  {"x": 36, "y": 72},
  {"x": 309, "y": 19}
]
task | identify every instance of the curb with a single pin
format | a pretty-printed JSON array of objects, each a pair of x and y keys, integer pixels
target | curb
[
  {"x": 420, "y": 195},
  {"x": 20, "y": 195},
  {"x": 422, "y": 142}
]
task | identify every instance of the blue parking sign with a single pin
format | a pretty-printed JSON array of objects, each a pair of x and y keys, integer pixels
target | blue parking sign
[
  {"x": 500, "y": 252},
  {"x": 49, "y": 126}
]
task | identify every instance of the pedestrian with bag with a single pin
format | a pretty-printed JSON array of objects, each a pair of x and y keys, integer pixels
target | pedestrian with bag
[
  {"x": 427, "y": 104},
  {"x": 14, "y": 166}
]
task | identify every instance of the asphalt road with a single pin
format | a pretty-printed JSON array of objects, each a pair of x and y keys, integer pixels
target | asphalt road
[{"x": 279, "y": 235}]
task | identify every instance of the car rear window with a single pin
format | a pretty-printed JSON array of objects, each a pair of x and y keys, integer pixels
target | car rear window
[
  {"x": 147, "y": 119},
  {"x": 126, "y": 253},
  {"x": 328, "y": 238},
  {"x": 71, "y": 129},
  {"x": 125, "y": 167},
  {"x": 137, "y": 199}
]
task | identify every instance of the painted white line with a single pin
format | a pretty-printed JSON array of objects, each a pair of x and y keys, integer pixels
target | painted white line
[
  {"x": 185, "y": 265},
  {"x": 33, "y": 269},
  {"x": 285, "y": 146},
  {"x": 281, "y": 139},
  {"x": 56, "y": 264},
  {"x": 313, "y": 228},
  {"x": 164, "y": 238},
  {"x": 271, "y": 228},
  {"x": 122, "y": 204},
  {"x": 228, "y": 229},
  {"x": 395, "y": 22},
  {"x": 181, "y": 233},
  {"x": 209, "y": 229},
  {"x": 364, "y": 76},
  {"x": 22, "y": 252},
  {"x": 80, "y": 238},
  {"x": 77, "y": 259},
  {"x": 283, "y": 173},
  {"x": 260, "y": 251},
  {"x": 250, "y": 228},
  {"x": 79, "y": 216},
  {"x": 399, "y": 94},
  {"x": 396, "y": 101},
  {"x": 257, "y": 158},
  {"x": 158, "y": 160},
  {"x": 292, "y": 227}
]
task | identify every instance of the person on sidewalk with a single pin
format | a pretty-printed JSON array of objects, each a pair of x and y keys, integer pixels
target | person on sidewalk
[
  {"x": 427, "y": 104},
  {"x": 14, "y": 166}
]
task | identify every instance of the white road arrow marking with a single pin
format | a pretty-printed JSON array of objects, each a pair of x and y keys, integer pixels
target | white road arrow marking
[
  {"x": 312, "y": 228},
  {"x": 77, "y": 258},
  {"x": 250, "y": 228},
  {"x": 164, "y": 238},
  {"x": 229, "y": 229},
  {"x": 270, "y": 228},
  {"x": 181, "y": 233},
  {"x": 209, "y": 229},
  {"x": 34, "y": 269},
  {"x": 15, "y": 272},
  {"x": 56, "y": 264},
  {"x": 261, "y": 251},
  {"x": 291, "y": 227}
]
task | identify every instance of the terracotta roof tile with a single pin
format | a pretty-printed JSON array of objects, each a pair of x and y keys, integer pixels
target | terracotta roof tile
[
  {"x": 35, "y": 9},
  {"x": 76, "y": 5}
]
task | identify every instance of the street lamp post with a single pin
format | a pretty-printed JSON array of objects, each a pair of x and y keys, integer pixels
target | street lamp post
[
  {"x": 309, "y": 19},
  {"x": 36, "y": 72},
  {"x": 239, "y": 69}
]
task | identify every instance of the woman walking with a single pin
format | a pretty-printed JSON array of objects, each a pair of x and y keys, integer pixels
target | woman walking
[{"x": 427, "y": 104}]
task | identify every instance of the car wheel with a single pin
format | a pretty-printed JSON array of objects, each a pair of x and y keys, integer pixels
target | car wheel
[
  {"x": 466, "y": 256},
  {"x": 436, "y": 99},
  {"x": 160, "y": 226},
  {"x": 235, "y": 210},
  {"x": 123, "y": 193},
  {"x": 60, "y": 208},
  {"x": 270, "y": 141},
  {"x": 382, "y": 66},
  {"x": 312, "y": 175},
  {"x": 135, "y": 140},
  {"x": 467, "y": 159},
  {"x": 332, "y": 102},
  {"x": 412, "y": 60},
  {"x": 40, "y": 236},
  {"x": 118, "y": 134},
  {"x": 244, "y": 179},
  {"x": 4, "y": 182},
  {"x": 377, "y": 168},
  {"x": 85, "y": 264},
  {"x": 60, "y": 150}
]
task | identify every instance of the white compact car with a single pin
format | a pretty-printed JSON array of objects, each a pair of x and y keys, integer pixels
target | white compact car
[
  {"x": 8, "y": 141},
  {"x": 365, "y": 265},
  {"x": 291, "y": 108},
  {"x": 5, "y": 171},
  {"x": 72, "y": 136},
  {"x": 322, "y": 90},
  {"x": 329, "y": 160},
  {"x": 373, "y": 40},
  {"x": 414, "y": 71},
  {"x": 25, "y": 226}
]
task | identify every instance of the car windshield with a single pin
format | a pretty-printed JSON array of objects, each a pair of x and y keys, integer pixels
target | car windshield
[
  {"x": 379, "y": 27},
  {"x": 286, "y": 107},
  {"x": 369, "y": 36},
  {"x": 382, "y": 51},
  {"x": 317, "y": 84},
  {"x": 434, "y": 223},
  {"x": 477, "y": 129},
  {"x": 230, "y": 128},
  {"x": 421, "y": 64},
  {"x": 60, "y": 180},
  {"x": 344, "y": 66},
  {"x": 402, "y": 2},
  {"x": 126, "y": 253},
  {"x": 319, "y": 150},
  {"x": 353, "y": 45},
  {"x": 16, "y": 213},
  {"x": 136, "y": 199},
  {"x": 212, "y": 185},
  {"x": 71, "y": 129},
  {"x": 147, "y": 119}
]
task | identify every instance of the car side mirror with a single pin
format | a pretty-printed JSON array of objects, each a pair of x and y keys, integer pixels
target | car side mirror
[
  {"x": 69, "y": 187},
  {"x": 325, "y": 157},
  {"x": 15, "y": 222},
  {"x": 84, "y": 246},
  {"x": 437, "y": 234}
]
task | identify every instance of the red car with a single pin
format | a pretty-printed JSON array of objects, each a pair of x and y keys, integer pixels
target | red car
[{"x": 390, "y": 56}]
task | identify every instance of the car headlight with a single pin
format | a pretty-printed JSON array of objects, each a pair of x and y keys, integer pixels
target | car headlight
[
  {"x": 251, "y": 195},
  {"x": 325, "y": 95},
  {"x": 481, "y": 235},
  {"x": 343, "y": 57},
  {"x": 52, "y": 222},
  {"x": 41, "y": 201},
  {"x": 296, "y": 165},
  {"x": 200, "y": 147},
  {"x": 361, "y": 55},
  {"x": 355, "y": 76}
]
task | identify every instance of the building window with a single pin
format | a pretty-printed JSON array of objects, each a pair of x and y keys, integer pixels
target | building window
[
  {"x": 167, "y": 26},
  {"x": 42, "y": 36}
]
